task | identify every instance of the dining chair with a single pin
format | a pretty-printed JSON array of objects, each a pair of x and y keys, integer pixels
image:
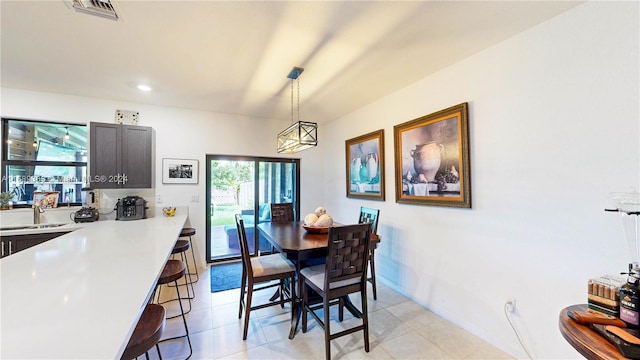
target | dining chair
[
  {"x": 262, "y": 270},
  {"x": 282, "y": 212},
  {"x": 344, "y": 273},
  {"x": 368, "y": 215}
]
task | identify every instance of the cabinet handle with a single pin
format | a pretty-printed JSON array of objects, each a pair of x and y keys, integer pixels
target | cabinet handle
[
  {"x": 2, "y": 250},
  {"x": 10, "y": 251}
]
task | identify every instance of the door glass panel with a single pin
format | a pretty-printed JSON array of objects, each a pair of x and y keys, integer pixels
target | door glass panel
[
  {"x": 231, "y": 192},
  {"x": 246, "y": 186},
  {"x": 276, "y": 185}
]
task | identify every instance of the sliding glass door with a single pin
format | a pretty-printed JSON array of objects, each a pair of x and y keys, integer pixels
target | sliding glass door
[{"x": 246, "y": 186}]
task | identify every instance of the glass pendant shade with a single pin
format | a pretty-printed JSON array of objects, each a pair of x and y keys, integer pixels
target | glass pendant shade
[{"x": 299, "y": 136}]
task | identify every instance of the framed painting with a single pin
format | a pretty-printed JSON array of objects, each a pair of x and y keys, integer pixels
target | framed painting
[
  {"x": 179, "y": 171},
  {"x": 365, "y": 166},
  {"x": 431, "y": 156}
]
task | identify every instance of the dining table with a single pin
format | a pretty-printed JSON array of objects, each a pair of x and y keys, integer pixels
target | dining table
[{"x": 299, "y": 245}]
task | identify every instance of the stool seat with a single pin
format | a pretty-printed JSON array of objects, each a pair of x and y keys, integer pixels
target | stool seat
[
  {"x": 187, "y": 232},
  {"x": 181, "y": 246},
  {"x": 147, "y": 332},
  {"x": 173, "y": 270}
]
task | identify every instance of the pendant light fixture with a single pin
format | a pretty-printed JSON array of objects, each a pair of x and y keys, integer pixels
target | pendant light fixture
[{"x": 301, "y": 135}]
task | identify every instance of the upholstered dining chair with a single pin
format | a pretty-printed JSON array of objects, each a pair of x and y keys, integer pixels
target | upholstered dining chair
[
  {"x": 282, "y": 212},
  {"x": 345, "y": 272},
  {"x": 368, "y": 215},
  {"x": 262, "y": 270}
]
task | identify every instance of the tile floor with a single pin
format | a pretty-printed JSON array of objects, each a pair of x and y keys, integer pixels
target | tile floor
[{"x": 398, "y": 329}]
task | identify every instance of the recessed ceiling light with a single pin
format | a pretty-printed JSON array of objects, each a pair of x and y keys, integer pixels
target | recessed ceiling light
[{"x": 144, "y": 87}]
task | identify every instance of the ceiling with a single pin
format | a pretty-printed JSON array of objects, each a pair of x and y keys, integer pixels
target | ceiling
[{"x": 234, "y": 56}]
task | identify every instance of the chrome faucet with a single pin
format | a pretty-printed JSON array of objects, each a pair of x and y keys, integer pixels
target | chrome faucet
[{"x": 37, "y": 210}]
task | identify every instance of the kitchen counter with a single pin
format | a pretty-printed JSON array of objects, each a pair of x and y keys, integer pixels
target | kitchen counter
[{"x": 79, "y": 296}]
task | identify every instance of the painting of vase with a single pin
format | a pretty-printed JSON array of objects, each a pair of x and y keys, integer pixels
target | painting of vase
[{"x": 365, "y": 166}]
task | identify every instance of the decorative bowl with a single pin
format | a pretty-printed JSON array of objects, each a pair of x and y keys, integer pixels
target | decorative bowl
[{"x": 316, "y": 229}]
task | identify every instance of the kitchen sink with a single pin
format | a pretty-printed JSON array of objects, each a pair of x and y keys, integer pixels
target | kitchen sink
[{"x": 26, "y": 227}]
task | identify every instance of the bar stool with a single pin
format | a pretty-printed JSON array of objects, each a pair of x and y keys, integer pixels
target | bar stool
[
  {"x": 147, "y": 333},
  {"x": 172, "y": 272},
  {"x": 189, "y": 232},
  {"x": 181, "y": 248}
]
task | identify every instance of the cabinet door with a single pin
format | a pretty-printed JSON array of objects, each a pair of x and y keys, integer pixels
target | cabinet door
[
  {"x": 21, "y": 242},
  {"x": 137, "y": 158},
  {"x": 5, "y": 247},
  {"x": 104, "y": 155}
]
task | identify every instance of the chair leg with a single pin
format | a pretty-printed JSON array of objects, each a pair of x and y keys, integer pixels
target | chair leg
[
  {"x": 184, "y": 321},
  {"x": 304, "y": 307},
  {"x": 365, "y": 317},
  {"x": 373, "y": 275},
  {"x": 327, "y": 329},
  {"x": 193, "y": 257},
  {"x": 281, "y": 287},
  {"x": 242, "y": 290},
  {"x": 247, "y": 311}
]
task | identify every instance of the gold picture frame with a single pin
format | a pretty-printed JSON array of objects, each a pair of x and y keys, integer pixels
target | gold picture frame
[
  {"x": 431, "y": 154},
  {"x": 365, "y": 166}
]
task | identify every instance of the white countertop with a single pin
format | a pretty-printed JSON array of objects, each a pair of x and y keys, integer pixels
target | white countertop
[{"x": 79, "y": 296}]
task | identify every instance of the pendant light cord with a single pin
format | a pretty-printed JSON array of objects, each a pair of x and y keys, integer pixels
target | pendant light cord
[
  {"x": 298, "y": 82},
  {"x": 292, "y": 101}
]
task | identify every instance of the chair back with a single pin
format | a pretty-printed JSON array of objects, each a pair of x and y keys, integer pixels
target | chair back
[
  {"x": 281, "y": 213},
  {"x": 244, "y": 245},
  {"x": 368, "y": 215},
  {"x": 347, "y": 256}
]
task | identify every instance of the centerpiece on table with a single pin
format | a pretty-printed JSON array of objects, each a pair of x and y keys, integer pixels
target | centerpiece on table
[{"x": 318, "y": 221}]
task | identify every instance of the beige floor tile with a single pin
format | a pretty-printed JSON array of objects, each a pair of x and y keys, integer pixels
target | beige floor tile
[
  {"x": 412, "y": 346},
  {"x": 398, "y": 329}
]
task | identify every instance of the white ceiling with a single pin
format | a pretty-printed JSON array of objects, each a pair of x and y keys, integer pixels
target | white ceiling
[{"x": 234, "y": 56}]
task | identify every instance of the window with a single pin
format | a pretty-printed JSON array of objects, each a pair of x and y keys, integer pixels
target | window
[{"x": 43, "y": 156}]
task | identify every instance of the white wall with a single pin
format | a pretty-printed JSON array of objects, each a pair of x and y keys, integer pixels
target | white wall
[
  {"x": 179, "y": 133},
  {"x": 554, "y": 127}
]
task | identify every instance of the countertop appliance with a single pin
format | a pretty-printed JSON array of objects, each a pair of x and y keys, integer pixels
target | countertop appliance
[
  {"x": 86, "y": 214},
  {"x": 131, "y": 208}
]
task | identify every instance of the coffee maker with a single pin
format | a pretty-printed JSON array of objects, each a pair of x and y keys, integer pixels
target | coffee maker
[
  {"x": 131, "y": 208},
  {"x": 88, "y": 213}
]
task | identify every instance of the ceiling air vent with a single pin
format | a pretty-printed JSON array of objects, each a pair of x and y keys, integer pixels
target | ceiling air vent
[{"x": 102, "y": 8}]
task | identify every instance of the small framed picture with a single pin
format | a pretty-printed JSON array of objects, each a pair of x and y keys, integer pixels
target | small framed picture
[
  {"x": 179, "y": 171},
  {"x": 365, "y": 166}
]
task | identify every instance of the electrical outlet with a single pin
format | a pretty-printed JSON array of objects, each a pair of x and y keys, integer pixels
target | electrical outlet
[{"x": 510, "y": 304}]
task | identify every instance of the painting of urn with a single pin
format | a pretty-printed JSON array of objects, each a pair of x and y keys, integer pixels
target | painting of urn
[{"x": 432, "y": 159}]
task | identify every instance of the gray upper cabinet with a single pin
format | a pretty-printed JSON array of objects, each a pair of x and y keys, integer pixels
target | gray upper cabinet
[{"x": 120, "y": 156}]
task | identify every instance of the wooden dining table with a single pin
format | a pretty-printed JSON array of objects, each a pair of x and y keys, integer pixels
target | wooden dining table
[{"x": 298, "y": 245}]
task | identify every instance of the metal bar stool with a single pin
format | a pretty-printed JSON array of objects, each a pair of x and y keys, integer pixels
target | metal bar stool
[
  {"x": 147, "y": 333},
  {"x": 181, "y": 248},
  {"x": 189, "y": 232},
  {"x": 172, "y": 272}
]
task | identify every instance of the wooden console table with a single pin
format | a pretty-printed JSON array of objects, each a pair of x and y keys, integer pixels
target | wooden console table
[{"x": 584, "y": 339}]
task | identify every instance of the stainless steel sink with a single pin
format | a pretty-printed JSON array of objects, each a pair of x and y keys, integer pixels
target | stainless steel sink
[
  {"x": 44, "y": 226},
  {"x": 26, "y": 227}
]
